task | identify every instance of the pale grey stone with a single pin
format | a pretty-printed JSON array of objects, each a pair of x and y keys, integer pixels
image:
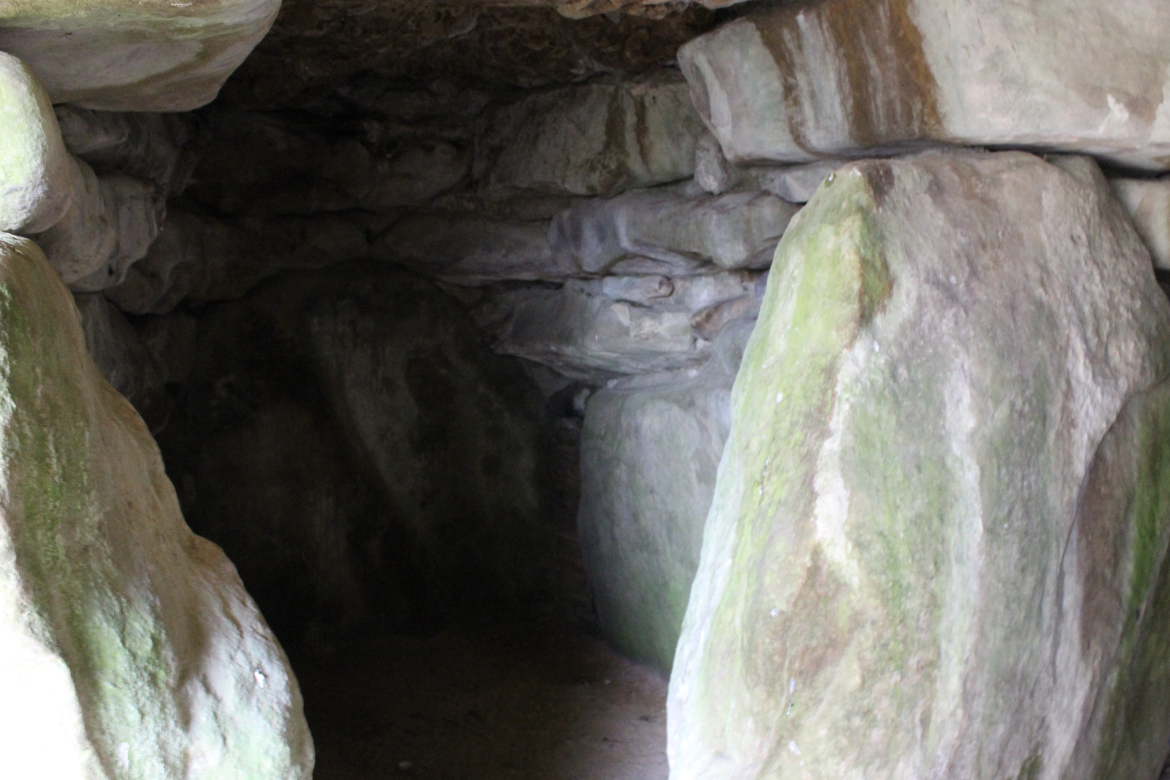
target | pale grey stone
[
  {"x": 37, "y": 180},
  {"x": 110, "y": 224},
  {"x": 793, "y": 183},
  {"x": 675, "y": 225},
  {"x": 1148, "y": 203},
  {"x": 648, "y": 460},
  {"x": 122, "y": 55},
  {"x": 794, "y": 82},
  {"x": 593, "y": 139},
  {"x": 128, "y": 645},
  {"x": 585, "y": 333},
  {"x": 940, "y": 536}
]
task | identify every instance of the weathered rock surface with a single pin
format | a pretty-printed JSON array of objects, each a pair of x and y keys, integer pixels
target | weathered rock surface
[
  {"x": 597, "y": 329},
  {"x": 155, "y": 147},
  {"x": 1148, "y": 203},
  {"x": 202, "y": 259},
  {"x": 318, "y": 44},
  {"x": 593, "y": 139},
  {"x": 121, "y": 55},
  {"x": 675, "y": 225},
  {"x": 34, "y": 166},
  {"x": 362, "y": 456},
  {"x": 648, "y": 461},
  {"x": 468, "y": 248},
  {"x": 797, "y": 81},
  {"x": 938, "y": 542},
  {"x": 263, "y": 165},
  {"x": 111, "y": 222},
  {"x": 130, "y": 648}
]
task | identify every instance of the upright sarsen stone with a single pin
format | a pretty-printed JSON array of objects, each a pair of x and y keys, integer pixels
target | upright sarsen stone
[
  {"x": 938, "y": 543},
  {"x": 800, "y": 80},
  {"x": 128, "y": 646}
]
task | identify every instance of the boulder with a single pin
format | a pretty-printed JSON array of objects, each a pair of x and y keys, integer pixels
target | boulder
[
  {"x": 649, "y": 452},
  {"x": 675, "y": 225},
  {"x": 34, "y": 166},
  {"x": 261, "y": 165},
  {"x": 122, "y": 55},
  {"x": 797, "y": 81},
  {"x": 110, "y": 224},
  {"x": 365, "y": 459},
  {"x": 151, "y": 146},
  {"x": 593, "y": 139},
  {"x": 1148, "y": 203},
  {"x": 130, "y": 648},
  {"x": 938, "y": 545},
  {"x": 595, "y": 330}
]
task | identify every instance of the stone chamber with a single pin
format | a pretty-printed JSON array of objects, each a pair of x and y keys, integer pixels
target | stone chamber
[{"x": 585, "y": 389}]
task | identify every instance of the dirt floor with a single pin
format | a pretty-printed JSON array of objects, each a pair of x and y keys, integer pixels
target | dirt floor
[{"x": 525, "y": 703}]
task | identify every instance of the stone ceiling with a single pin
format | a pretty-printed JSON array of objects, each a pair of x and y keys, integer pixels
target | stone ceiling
[{"x": 317, "y": 44}]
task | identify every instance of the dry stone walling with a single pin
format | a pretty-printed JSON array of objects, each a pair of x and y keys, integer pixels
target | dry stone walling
[{"x": 936, "y": 545}]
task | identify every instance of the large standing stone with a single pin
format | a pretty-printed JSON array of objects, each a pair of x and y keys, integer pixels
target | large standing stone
[
  {"x": 649, "y": 453},
  {"x": 362, "y": 455},
  {"x": 129, "y": 646},
  {"x": 800, "y": 80},
  {"x": 122, "y": 55},
  {"x": 593, "y": 139},
  {"x": 938, "y": 542},
  {"x": 35, "y": 176}
]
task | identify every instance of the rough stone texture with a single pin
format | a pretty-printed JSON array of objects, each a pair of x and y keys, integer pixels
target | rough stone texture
[
  {"x": 34, "y": 166},
  {"x": 263, "y": 165},
  {"x": 675, "y": 225},
  {"x": 316, "y": 45},
  {"x": 202, "y": 259},
  {"x": 362, "y": 456},
  {"x": 123, "y": 358},
  {"x": 938, "y": 543},
  {"x": 110, "y": 224},
  {"x": 593, "y": 139},
  {"x": 598, "y": 329},
  {"x": 152, "y": 146},
  {"x": 129, "y": 646},
  {"x": 1148, "y": 203},
  {"x": 795, "y": 81},
  {"x": 468, "y": 248},
  {"x": 121, "y": 55},
  {"x": 648, "y": 461}
]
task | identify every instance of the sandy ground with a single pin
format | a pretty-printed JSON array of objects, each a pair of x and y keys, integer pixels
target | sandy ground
[{"x": 524, "y": 702}]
